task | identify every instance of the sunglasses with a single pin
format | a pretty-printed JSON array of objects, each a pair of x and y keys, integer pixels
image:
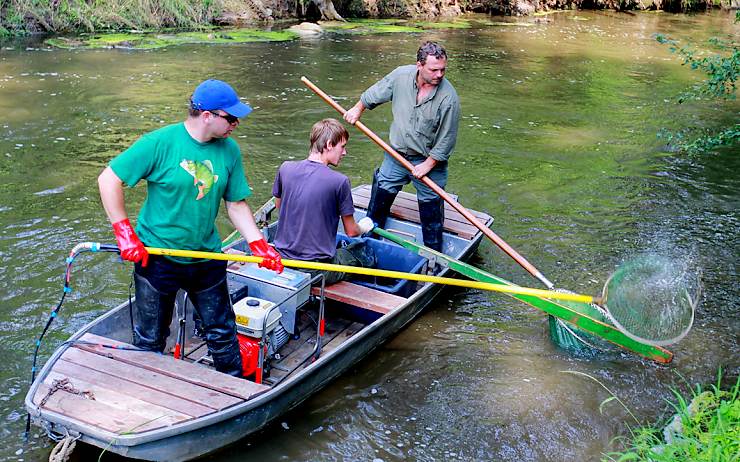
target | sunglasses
[{"x": 230, "y": 119}]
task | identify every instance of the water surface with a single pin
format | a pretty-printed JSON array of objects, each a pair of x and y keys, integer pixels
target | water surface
[{"x": 557, "y": 142}]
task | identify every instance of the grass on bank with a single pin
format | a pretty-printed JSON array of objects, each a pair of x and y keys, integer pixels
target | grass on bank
[
  {"x": 28, "y": 16},
  {"x": 704, "y": 428}
]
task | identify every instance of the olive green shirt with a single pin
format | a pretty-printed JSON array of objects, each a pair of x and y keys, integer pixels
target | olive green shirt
[{"x": 428, "y": 128}]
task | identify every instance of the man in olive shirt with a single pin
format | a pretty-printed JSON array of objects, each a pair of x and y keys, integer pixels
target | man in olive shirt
[{"x": 426, "y": 113}]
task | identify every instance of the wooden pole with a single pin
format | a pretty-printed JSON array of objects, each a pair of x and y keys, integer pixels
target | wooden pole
[{"x": 441, "y": 192}]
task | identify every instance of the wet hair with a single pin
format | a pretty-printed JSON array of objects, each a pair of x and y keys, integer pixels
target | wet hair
[
  {"x": 327, "y": 131},
  {"x": 430, "y": 49}
]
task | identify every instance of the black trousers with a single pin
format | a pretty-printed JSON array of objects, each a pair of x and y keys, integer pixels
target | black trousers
[{"x": 205, "y": 282}]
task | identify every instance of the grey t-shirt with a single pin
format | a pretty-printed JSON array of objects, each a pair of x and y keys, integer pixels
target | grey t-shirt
[{"x": 313, "y": 197}]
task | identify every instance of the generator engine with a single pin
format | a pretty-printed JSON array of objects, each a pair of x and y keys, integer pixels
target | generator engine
[{"x": 250, "y": 319}]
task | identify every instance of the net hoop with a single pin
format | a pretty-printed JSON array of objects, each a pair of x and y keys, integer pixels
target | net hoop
[{"x": 663, "y": 342}]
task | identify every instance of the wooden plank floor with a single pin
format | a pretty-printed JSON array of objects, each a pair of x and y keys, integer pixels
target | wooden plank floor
[
  {"x": 406, "y": 207},
  {"x": 342, "y": 337},
  {"x": 131, "y": 391},
  {"x": 295, "y": 355},
  {"x": 199, "y": 375}
]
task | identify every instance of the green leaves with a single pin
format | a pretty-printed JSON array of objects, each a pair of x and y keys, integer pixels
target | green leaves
[{"x": 722, "y": 70}]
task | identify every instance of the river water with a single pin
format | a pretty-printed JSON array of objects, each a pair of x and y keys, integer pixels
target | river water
[{"x": 557, "y": 141}]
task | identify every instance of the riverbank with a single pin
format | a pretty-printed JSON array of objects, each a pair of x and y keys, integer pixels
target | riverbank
[
  {"x": 70, "y": 16},
  {"x": 705, "y": 427}
]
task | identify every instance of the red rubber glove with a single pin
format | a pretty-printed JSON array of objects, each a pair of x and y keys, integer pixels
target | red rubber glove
[
  {"x": 128, "y": 242},
  {"x": 272, "y": 260}
]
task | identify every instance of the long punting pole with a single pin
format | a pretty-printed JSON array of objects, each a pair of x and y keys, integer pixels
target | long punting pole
[{"x": 441, "y": 192}]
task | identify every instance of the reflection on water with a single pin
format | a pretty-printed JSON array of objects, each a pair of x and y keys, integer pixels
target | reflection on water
[{"x": 557, "y": 142}]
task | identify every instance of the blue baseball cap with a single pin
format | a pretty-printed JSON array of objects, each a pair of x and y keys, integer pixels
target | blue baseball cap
[{"x": 215, "y": 94}]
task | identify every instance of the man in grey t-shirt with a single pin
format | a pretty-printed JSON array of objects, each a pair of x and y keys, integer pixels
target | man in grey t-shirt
[
  {"x": 426, "y": 113},
  {"x": 312, "y": 198}
]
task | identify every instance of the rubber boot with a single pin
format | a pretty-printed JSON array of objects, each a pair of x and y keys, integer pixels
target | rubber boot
[
  {"x": 380, "y": 203},
  {"x": 432, "y": 218},
  {"x": 152, "y": 315},
  {"x": 219, "y": 324}
]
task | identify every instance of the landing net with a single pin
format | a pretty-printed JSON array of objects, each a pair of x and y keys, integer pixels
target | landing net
[{"x": 653, "y": 299}]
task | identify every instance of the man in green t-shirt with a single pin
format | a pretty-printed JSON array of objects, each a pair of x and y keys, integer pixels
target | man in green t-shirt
[{"x": 189, "y": 168}]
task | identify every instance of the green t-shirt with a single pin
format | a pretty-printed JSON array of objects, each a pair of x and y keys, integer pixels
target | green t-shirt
[{"x": 186, "y": 180}]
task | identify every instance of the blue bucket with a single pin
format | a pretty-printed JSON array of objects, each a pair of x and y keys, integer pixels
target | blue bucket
[{"x": 391, "y": 257}]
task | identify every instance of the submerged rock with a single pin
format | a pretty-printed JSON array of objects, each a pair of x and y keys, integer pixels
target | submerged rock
[{"x": 307, "y": 28}]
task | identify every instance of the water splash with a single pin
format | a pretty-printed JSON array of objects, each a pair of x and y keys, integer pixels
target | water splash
[{"x": 653, "y": 298}]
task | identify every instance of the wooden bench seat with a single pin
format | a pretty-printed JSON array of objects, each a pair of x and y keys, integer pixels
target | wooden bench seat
[
  {"x": 361, "y": 296},
  {"x": 405, "y": 207}
]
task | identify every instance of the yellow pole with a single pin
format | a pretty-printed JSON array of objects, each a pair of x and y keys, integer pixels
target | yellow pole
[{"x": 510, "y": 289}]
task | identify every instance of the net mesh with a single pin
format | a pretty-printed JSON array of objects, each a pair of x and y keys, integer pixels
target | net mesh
[
  {"x": 653, "y": 298},
  {"x": 576, "y": 341}
]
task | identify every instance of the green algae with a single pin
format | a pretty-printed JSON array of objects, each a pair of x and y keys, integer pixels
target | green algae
[
  {"x": 372, "y": 21},
  {"x": 147, "y": 41},
  {"x": 339, "y": 25},
  {"x": 235, "y": 36},
  {"x": 370, "y": 26},
  {"x": 545, "y": 13},
  {"x": 460, "y": 24},
  {"x": 117, "y": 40},
  {"x": 390, "y": 28},
  {"x": 505, "y": 23}
]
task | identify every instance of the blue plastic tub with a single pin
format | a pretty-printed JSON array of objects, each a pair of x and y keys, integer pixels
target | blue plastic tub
[{"x": 390, "y": 257}]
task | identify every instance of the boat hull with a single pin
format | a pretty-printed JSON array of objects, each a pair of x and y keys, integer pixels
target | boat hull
[{"x": 198, "y": 437}]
